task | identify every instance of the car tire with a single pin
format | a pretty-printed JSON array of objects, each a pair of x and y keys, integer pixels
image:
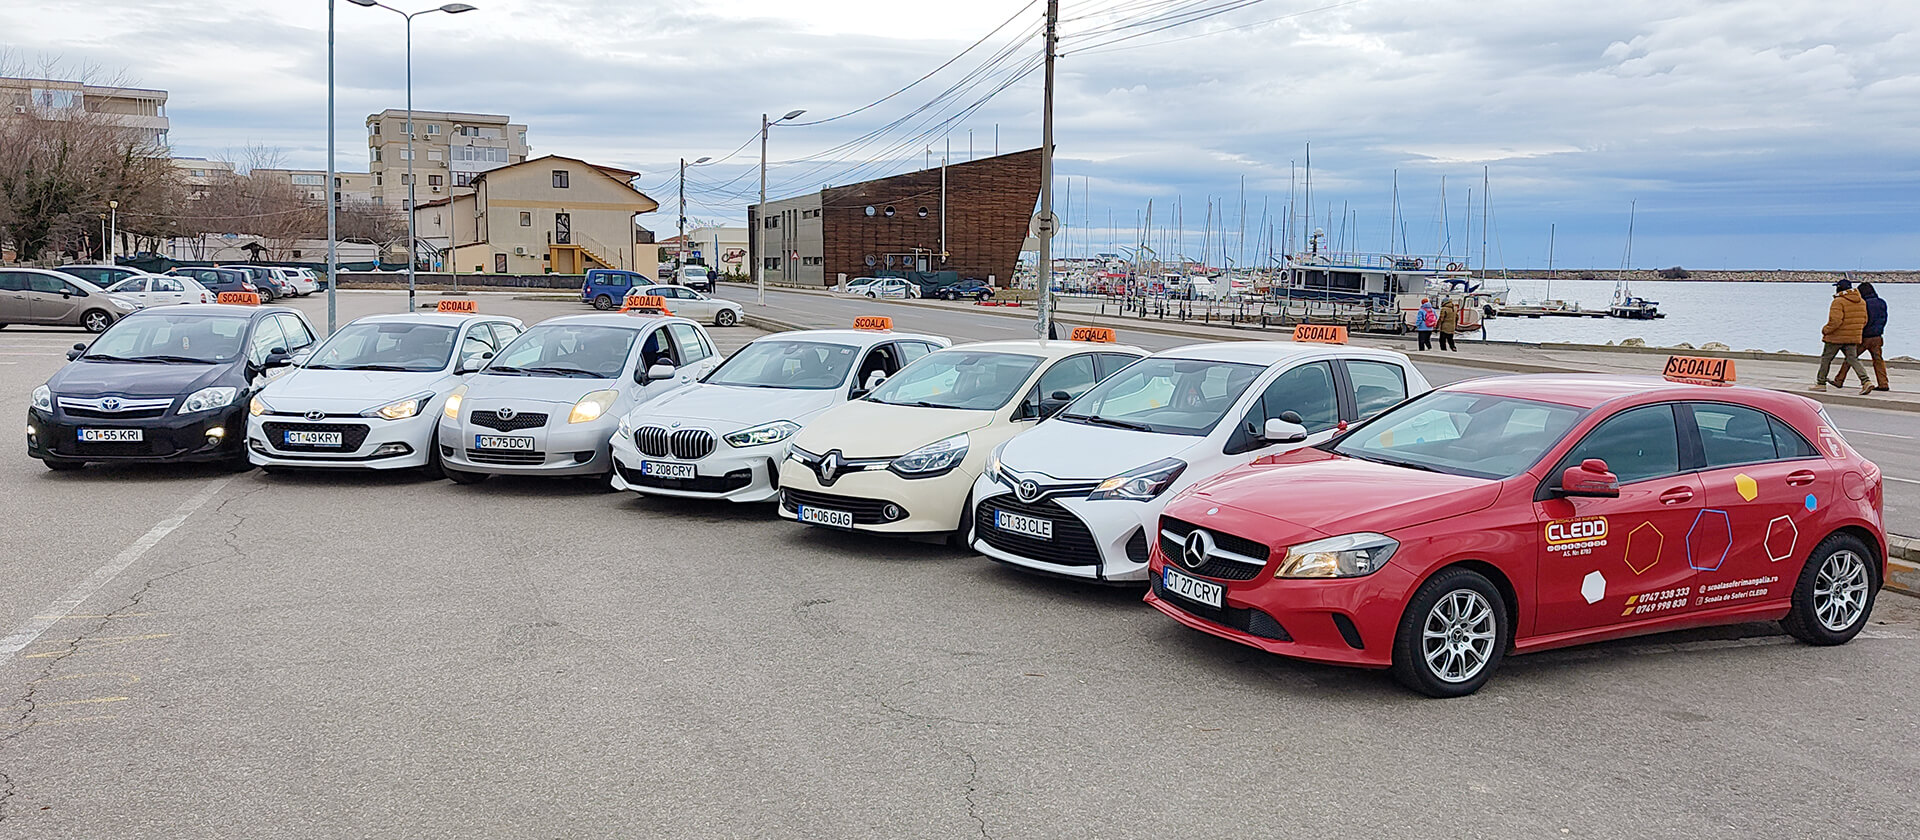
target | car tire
[
  {"x": 725, "y": 318},
  {"x": 435, "y": 468},
  {"x": 463, "y": 477},
  {"x": 96, "y": 321},
  {"x": 962, "y": 535},
  {"x": 603, "y": 303},
  {"x": 1469, "y": 616},
  {"x": 873, "y": 294},
  {"x": 1835, "y": 592},
  {"x": 62, "y": 466}
]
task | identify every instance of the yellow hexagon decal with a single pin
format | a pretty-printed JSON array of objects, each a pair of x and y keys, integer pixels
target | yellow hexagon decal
[{"x": 1749, "y": 489}]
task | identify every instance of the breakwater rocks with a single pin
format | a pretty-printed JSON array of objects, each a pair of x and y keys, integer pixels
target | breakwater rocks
[{"x": 1714, "y": 275}]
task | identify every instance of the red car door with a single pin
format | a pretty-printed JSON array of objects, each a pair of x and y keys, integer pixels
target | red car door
[
  {"x": 1605, "y": 561},
  {"x": 1765, "y": 482}
]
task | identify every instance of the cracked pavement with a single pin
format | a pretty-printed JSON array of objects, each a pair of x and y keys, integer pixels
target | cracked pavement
[{"x": 381, "y": 656}]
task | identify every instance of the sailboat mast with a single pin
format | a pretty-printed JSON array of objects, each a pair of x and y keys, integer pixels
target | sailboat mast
[{"x": 1486, "y": 176}]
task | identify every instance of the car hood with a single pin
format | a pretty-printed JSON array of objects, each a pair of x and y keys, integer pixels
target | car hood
[
  {"x": 1339, "y": 495},
  {"x": 553, "y": 389},
  {"x": 1081, "y": 452},
  {"x": 862, "y": 429},
  {"x": 729, "y": 408},
  {"x": 98, "y": 379},
  {"x": 359, "y": 389}
]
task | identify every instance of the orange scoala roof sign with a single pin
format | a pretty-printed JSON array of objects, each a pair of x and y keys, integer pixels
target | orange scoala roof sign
[
  {"x": 873, "y": 322},
  {"x": 238, "y": 299},
  {"x": 1097, "y": 335},
  {"x": 464, "y": 307},
  {"x": 1699, "y": 370},
  {"x": 1320, "y": 334}
]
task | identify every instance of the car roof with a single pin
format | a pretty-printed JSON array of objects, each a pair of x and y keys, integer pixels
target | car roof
[
  {"x": 1051, "y": 349},
  {"x": 858, "y": 338},
  {"x": 1594, "y": 390},
  {"x": 626, "y": 321},
  {"x": 98, "y": 265},
  {"x": 227, "y": 310},
  {"x": 1274, "y": 352},
  {"x": 449, "y": 318}
]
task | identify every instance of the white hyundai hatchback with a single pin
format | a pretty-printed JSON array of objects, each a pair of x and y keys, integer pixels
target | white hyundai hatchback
[
  {"x": 369, "y": 397},
  {"x": 1080, "y": 495}
]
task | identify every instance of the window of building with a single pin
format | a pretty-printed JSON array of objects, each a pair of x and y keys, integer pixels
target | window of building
[
  {"x": 560, "y": 179},
  {"x": 435, "y": 180},
  {"x": 337, "y": 182},
  {"x": 197, "y": 173},
  {"x": 406, "y": 204},
  {"x": 380, "y": 200},
  {"x": 523, "y": 138},
  {"x": 434, "y": 154},
  {"x": 812, "y": 260},
  {"x": 526, "y": 219},
  {"x": 375, "y": 152},
  {"x": 433, "y": 129},
  {"x": 376, "y": 179},
  {"x": 309, "y": 180},
  {"x": 406, "y": 155},
  {"x": 771, "y": 222},
  {"x": 772, "y": 263},
  {"x": 462, "y": 179},
  {"x": 373, "y": 128},
  {"x": 405, "y": 179}
]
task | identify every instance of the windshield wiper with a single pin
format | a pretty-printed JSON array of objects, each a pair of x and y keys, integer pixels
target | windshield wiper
[
  {"x": 103, "y": 357},
  {"x": 1393, "y": 463},
  {"x": 171, "y": 360},
  {"x": 565, "y": 371},
  {"x": 1107, "y": 421},
  {"x": 398, "y": 368},
  {"x": 505, "y": 370}
]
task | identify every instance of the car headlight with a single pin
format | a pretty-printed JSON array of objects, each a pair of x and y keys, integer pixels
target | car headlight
[
  {"x": 208, "y": 399},
  {"x": 626, "y": 427},
  {"x": 452, "y": 409},
  {"x": 123, "y": 303},
  {"x": 934, "y": 459},
  {"x": 1348, "y": 555},
  {"x": 1140, "y": 485},
  {"x": 43, "y": 398},
  {"x": 795, "y": 453},
  {"x": 399, "y": 409},
  {"x": 256, "y": 407},
  {"x": 591, "y": 406},
  {"x": 764, "y": 433}
]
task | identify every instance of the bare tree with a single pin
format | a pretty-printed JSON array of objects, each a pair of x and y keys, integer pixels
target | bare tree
[{"x": 374, "y": 224}]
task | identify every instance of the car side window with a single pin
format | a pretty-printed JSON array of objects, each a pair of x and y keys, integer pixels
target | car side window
[
  {"x": 911, "y": 351},
  {"x": 479, "y": 340},
  {"x": 1736, "y": 434},
  {"x": 1377, "y": 386},
  {"x": 13, "y": 281},
  {"x": 44, "y": 283},
  {"x": 164, "y": 285},
  {"x": 297, "y": 335},
  {"x": 1637, "y": 444},
  {"x": 881, "y": 359},
  {"x": 1109, "y": 364},
  {"x": 1306, "y": 390},
  {"x": 658, "y": 349},
  {"x": 266, "y": 336},
  {"x": 504, "y": 334},
  {"x": 132, "y": 286},
  {"x": 1788, "y": 442},
  {"x": 1072, "y": 376},
  {"x": 686, "y": 339}
]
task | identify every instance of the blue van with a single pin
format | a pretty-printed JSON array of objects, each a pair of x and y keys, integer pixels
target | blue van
[{"x": 606, "y": 288}]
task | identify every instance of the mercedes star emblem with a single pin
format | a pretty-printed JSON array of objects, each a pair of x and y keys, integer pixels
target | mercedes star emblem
[
  {"x": 506, "y": 412},
  {"x": 110, "y": 404},
  {"x": 1198, "y": 547},
  {"x": 1028, "y": 490},
  {"x": 830, "y": 467},
  {"x": 316, "y": 415}
]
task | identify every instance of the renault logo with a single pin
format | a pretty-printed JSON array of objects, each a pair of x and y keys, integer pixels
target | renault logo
[
  {"x": 316, "y": 415},
  {"x": 1198, "y": 548},
  {"x": 506, "y": 412},
  {"x": 110, "y": 404},
  {"x": 830, "y": 467},
  {"x": 1027, "y": 490}
]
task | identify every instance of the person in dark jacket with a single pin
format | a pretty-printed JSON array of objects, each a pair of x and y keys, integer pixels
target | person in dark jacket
[{"x": 1872, "y": 337}]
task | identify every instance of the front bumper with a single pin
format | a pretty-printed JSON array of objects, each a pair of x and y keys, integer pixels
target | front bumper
[
  {"x": 367, "y": 443},
  {"x": 1104, "y": 541},
  {"x": 923, "y": 505},
  {"x": 171, "y": 438},
  {"x": 727, "y": 474},
  {"x": 559, "y": 448}
]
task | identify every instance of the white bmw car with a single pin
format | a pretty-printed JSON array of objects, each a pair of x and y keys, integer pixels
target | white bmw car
[{"x": 370, "y": 396}]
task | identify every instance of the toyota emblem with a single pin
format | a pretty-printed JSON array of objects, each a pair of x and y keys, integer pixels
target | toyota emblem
[
  {"x": 830, "y": 467},
  {"x": 110, "y": 404},
  {"x": 506, "y": 412},
  {"x": 1198, "y": 547},
  {"x": 316, "y": 415},
  {"x": 1027, "y": 490}
]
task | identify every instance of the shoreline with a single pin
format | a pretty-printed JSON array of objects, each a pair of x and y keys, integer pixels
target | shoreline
[{"x": 1705, "y": 275}]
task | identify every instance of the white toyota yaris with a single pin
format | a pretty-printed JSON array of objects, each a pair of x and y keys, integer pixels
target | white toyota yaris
[{"x": 1080, "y": 495}]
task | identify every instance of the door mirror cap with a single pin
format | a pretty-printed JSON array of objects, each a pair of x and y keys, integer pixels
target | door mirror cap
[
  {"x": 874, "y": 380},
  {"x": 473, "y": 363},
  {"x": 276, "y": 358},
  {"x": 659, "y": 372},
  {"x": 76, "y": 352},
  {"x": 1590, "y": 479},
  {"x": 1280, "y": 430}
]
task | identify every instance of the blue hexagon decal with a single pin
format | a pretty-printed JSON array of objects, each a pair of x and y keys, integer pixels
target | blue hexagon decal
[{"x": 1709, "y": 540}]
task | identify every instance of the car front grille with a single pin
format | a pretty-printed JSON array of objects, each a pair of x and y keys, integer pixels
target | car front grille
[
  {"x": 351, "y": 436},
  {"x": 1072, "y": 543},
  {"x": 520, "y": 420},
  {"x": 523, "y": 459},
  {"x": 685, "y": 444},
  {"x": 1216, "y": 567},
  {"x": 131, "y": 414},
  {"x": 1247, "y": 620},
  {"x": 700, "y": 484},
  {"x": 865, "y": 511}
]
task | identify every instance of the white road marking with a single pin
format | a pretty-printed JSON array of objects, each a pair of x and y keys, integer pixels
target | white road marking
[
  {"x": 1899, "y": 479},
  {"x": 57, "y": 610},
  {"x": 1880, "y": 434}
]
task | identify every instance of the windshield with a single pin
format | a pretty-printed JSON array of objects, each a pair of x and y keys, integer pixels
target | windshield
[
  {"x": 806, "y": 365},
  {"x": 171, "y": 339},
  {"x": 1462, "y": 434},
  {"x": 386, "y": 346},
  {"x": 958, "y": 379},
  {"x": 575, "y": 350},
  {"x": 1167, "y": 396},
  {"x": 695, "y": 271}
]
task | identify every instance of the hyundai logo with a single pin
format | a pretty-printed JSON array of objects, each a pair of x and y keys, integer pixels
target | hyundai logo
[
  {"x": 1027, "y": 490},
  {"x": 316, "y": 415},
  {"x": 506, "y": 412},
  {"x": 1198, "y": 548},
  {"x": 830, "y": 467},
  {"x": 110, "y": 404}
]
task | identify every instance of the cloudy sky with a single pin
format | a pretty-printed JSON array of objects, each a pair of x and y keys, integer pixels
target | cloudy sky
[{"x": 1750, "y": 133}]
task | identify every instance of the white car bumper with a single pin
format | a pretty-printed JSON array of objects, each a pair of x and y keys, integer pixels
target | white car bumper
[
  {"x": 727, "y": 474},
  {"x": 1106, "y": 540},
  {"x": 558, "y": 448},
  {"x": 366, "y": 443}
]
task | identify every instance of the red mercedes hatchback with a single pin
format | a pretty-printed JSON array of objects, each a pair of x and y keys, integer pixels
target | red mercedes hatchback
[{"x": 1522, "y": 513}]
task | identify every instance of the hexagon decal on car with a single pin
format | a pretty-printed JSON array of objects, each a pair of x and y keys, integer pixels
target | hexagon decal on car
[
  {"x": 1644, "y": 544},
  {"x": 1593, "y": 587},
  {"x": 1749, "y": 489},
  {"x": 1782, "y": 536},
  {"x": 1709, "y": 540}
]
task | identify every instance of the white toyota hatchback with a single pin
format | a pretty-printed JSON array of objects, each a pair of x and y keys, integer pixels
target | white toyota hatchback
[
  {"x": 1080, "y": 495},
  {"x": 725, "y": 437}
]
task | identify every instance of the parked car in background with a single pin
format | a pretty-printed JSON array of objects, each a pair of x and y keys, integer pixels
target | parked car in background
[
  {"x": 965, "y": 290},
  {"x": 696, "y": 277},
  {"x": 162, "y": 290},
  {"x": 858, "y": 285},
  {"x": 51, "y": 298},
  {"x": 889, "y": 287},
  {"x": 270, "y": 287},
  {"x": 605, "y": 288},
  {"x": 688, "y": 303},
  {"x": 217, "y": 280},
  {"x": 302, "y": 281},
  {"x": 100, "y": 275}
]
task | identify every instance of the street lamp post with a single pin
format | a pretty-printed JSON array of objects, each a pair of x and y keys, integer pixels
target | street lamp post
[
  {"x": 680, "y": 255},
  {"x": 103, "y": 237},
  {"x": 760, "y": 213},
  {"x": 113, "y": 231},
  {"x": 333, "y": 192},
  {"x": 413, "y": 208}
]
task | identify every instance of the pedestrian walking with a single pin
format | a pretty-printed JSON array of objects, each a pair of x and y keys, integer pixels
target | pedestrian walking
[
  {"x": 1872, "y": 338},
  {"x": 1423, "y": 323},
  {"x": 1846, "y": 327},
  {"x": 1449, "y": 324}
]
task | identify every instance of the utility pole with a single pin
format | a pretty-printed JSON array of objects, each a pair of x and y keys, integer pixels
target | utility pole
[
  {"x": 943, "y": 202},
  {"x": 333, "y": 202},
  {"x": 759, "y": 233},
  {"x": 1044, "y": 326}
]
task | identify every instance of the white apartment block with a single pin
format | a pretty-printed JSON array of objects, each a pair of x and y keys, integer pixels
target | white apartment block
[{"x": 450, "y": 149}]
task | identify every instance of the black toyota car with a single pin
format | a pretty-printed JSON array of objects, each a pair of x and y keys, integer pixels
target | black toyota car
[{"x": 165, "y": 384}]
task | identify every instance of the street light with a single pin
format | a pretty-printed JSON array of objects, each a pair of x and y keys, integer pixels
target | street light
[
  {"x": 760, "y": 213},
  {"x": 113, "y": 212},
  {"x": 680, "y": 256},
  {"x": 412, "y": 204}
]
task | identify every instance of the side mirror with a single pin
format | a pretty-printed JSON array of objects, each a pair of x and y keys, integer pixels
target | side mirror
[
  {"x": 1281, "y": 430},
  {"x": 874, "y": 380},
  {"x": 659, "y": 372},
  {"x": 76, "y": 352},
  {"x": 1591, "y": 479},
  {"x": 473, "y": 363},
  {"x": 1053, "y": 402},
  {"x": 276, "y": 358}
]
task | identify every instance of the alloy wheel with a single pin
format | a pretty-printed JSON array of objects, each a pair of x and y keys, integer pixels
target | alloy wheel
[
  {"x": 1840, "y": 590},
  {"x": 1458, "y": 636}
]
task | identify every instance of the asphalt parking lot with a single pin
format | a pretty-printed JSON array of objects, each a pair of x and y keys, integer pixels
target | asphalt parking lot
[{"x": 366, "y": 655}]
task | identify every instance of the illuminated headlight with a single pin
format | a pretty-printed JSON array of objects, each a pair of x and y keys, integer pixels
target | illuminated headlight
[
  {"x": 452, "y": 408},
  {"x": 765, "y": 433},
  {"x": 43, "y": 398},
  {"x": 1348, "y": 555},
  {"x": 935, "y": 458},
  {"x": 591, "y": 406},
  {"x": 399, "y": 409},
  {"x": 1140, "y": 485},
  {"x": 208, "y": 399},
  {"x": 256, "y": 408}
]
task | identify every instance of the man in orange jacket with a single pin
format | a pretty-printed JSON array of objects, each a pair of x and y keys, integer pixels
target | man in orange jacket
[{"x": 1846, "y": 321}]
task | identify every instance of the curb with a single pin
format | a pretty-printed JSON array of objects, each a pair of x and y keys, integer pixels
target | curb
[{"x": 1903, "y": 565}]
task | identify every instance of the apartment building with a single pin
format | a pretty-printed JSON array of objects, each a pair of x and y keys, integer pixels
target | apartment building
[
  {"x": 138, "y": 108},
  {"x": 450, "y": 150},
  {"x": 348, "y": 187},
  {"x": 198, "y": 173},
  {"x": 549, "y": 215}
]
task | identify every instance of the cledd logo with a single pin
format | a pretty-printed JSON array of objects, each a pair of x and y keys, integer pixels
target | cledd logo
[{"x": 1584, "y": 529}]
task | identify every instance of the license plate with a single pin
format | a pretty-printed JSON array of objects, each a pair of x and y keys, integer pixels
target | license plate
[
  {"x": 666, "y": 469},
  {"x": 513, "y": 444},
  {"x": 1030, "y": 526},
  {"x": 111, "y": 436},
  {"x": 828, "y": 518},
  {"x": 313, "y": 438},
  {"x": 1192, "y": 589}
]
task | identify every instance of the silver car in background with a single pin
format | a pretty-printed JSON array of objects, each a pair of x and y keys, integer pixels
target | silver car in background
[{"x": 50, "y": 298}]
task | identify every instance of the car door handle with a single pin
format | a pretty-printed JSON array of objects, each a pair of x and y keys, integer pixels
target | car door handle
[
  {"x": 1676, "y": 496},
  {"x": 1800, "y": 478}
]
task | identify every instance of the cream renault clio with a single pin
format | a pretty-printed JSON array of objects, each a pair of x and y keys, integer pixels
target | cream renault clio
[{"x": 903, "y": 459}]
